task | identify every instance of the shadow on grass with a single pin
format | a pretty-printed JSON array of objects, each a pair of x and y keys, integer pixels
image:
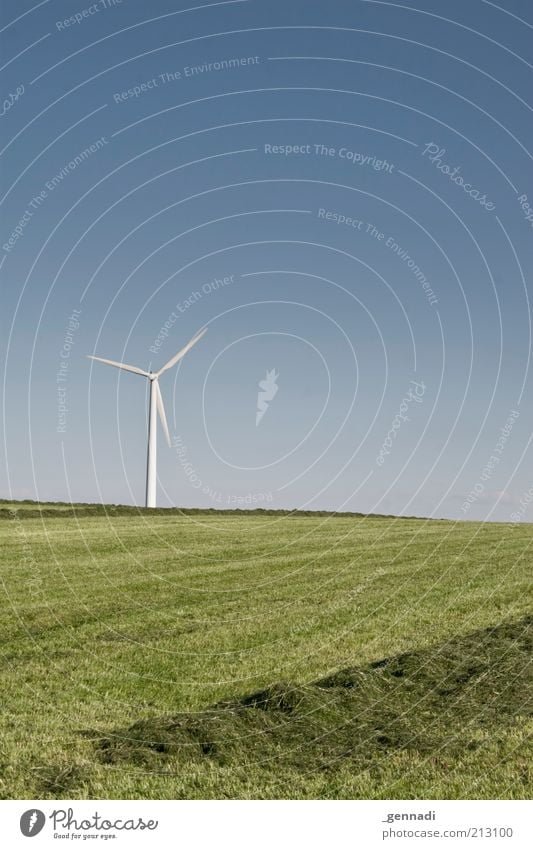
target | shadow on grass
[{"x": 448, "y": 697}]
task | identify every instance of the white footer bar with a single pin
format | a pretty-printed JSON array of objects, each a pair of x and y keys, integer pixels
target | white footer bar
[{"x": 267, "y": 824}]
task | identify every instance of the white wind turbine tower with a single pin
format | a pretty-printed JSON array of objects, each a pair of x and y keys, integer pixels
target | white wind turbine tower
[{"x": 155, "y": 406}]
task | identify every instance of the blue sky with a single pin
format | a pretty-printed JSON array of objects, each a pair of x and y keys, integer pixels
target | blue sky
[{"x": 338, "y": 190}]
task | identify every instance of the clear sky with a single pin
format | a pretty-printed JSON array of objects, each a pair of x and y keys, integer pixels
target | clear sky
[{"x": 341, "y": 191}]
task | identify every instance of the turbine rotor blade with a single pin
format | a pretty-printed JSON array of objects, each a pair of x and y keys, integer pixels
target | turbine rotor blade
[
  {"x": 183, "y": 351},
  {"x": 122, "y": 366},
  {"x": 161, "y": 410}
]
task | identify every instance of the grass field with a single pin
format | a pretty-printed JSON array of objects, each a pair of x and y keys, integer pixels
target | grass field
[{"x": 160, "y": 655}]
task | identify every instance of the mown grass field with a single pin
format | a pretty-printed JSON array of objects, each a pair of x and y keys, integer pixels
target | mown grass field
[{"x": 153, "y": 655}]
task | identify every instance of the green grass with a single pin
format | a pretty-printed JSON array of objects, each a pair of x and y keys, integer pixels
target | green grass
[{"x": 199, "y": 655}]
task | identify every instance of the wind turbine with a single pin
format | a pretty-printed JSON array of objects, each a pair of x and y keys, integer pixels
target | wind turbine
[{"x": 155, "y": 406}]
